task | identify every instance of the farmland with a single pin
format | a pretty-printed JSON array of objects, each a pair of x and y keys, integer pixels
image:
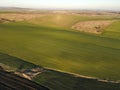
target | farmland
[
  {"x": 49, "y": 78},
  {"x": 50, "y": 41}
]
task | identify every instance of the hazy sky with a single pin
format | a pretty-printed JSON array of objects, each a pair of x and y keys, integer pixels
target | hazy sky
[{"x": 64, "y": 4}]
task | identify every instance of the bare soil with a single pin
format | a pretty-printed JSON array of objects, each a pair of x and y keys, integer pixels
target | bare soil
[
  {"x": 95, "y": 27},
  {"x": 18, "y": 16}
]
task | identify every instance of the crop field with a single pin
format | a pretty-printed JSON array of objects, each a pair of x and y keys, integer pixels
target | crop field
[
  {"x": 51, "y": 42},
  {"x": 49, "y": 78}
]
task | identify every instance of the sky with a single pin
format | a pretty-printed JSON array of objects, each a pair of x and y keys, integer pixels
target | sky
[{"x": 63, "y": 4}]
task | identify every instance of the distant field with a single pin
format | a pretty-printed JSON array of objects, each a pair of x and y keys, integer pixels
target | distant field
[
  {"x": 94, "y": 26},
  {"x": 65, "y": 21},
  {"x": 113, "y": 31},
  {"x": 50, "y": 42},
  {"x": 18, "y": 16}
]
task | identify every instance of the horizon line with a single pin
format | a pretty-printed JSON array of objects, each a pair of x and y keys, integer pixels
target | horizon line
[{"x": 60, "y": 8}]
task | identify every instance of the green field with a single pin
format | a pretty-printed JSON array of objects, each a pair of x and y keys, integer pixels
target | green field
[
  {"x": 56, "y": 80},
  {"x": 49, "y": 42},
  {"x": 62, "y": 81}
]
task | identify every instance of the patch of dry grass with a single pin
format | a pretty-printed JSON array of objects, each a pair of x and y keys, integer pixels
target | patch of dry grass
[
  {"x": 92, "y": 26},
  {"x": 19, "y": 16}
]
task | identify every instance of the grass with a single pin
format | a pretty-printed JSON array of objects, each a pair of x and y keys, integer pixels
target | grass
[
  {"x": 62, "y": 81},
  {"x": 113, "y": 30},
  {"x": 13, "y": 63},
  {"x": 56, "y": 80},
  {"x": 49, "y": 42},
  {"x": 65, "y": 21},
  {"x": 63, "y": 49}
]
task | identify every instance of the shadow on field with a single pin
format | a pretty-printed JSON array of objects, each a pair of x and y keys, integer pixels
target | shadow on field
[{"x": 13, "y": 63}]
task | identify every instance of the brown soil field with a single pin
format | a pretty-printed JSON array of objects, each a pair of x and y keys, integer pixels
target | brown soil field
[
  {"x": 19, "y": 16},
  {"x": 95, "y": 27}
]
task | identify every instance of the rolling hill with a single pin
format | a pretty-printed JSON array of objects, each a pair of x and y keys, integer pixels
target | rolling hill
[{"x": 50, "y": 42}]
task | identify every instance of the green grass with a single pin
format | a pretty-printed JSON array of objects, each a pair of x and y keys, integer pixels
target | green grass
[
  {"x": 13, "y": 63},
  {"x": 49, "y": 42},
  {"x": 7, "y": 12},
  {"x": 59, "y": 48},
  {"x": 56, "y": 80},
  {"x": 62, "y": 81},
  {"x": 113, "y": 30}
]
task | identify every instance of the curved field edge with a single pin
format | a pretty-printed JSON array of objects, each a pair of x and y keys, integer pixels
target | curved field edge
[
  {"x": 57, "y": 80},
  {"x": 65, "y": 81}
]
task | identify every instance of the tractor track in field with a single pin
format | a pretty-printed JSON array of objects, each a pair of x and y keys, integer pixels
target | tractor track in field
[{"x": 10, "y": 81}]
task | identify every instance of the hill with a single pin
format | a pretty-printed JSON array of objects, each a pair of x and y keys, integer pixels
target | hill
[
  {"x": 50, "y": 47},
  {"x": 50, "y": 42}
]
